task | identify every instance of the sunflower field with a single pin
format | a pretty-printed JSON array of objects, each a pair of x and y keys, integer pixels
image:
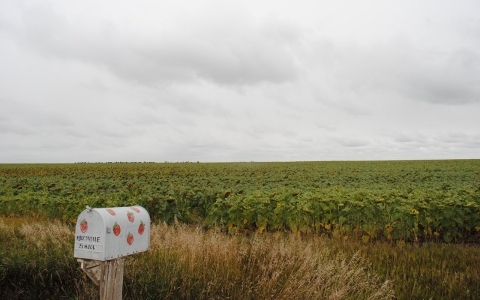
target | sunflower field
[{"x": 367, "y": 200}]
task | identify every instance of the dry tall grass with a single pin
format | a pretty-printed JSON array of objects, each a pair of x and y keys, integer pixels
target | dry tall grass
[
  {"x": 36, "y": 262},
  {"x": 186, "y": 263}
]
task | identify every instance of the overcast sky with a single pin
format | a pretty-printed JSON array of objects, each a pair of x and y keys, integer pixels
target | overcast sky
[{"x": 238, "y": 80}]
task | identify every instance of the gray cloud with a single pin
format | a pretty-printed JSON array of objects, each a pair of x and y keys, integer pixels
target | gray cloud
[
  {"x": 238, "y": 52},
  {"x": 453, "y": 80},
  {"x": 221, "y": 81},
  {"x": 398, "y": 68}
]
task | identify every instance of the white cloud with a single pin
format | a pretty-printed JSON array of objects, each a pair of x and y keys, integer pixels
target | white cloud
[
  {"x": 218, "y": 81},
  {"x": 227, "y": 48}
]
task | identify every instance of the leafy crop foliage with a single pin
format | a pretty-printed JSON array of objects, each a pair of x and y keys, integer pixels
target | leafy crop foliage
[{"x": 391, "y": 200}]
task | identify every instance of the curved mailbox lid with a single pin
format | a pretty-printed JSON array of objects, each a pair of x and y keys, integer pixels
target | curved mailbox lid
[{"x": 109, "y": 233}]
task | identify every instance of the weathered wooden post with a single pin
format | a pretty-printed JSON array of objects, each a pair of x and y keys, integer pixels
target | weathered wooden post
[{"x": 103, "y": 237}]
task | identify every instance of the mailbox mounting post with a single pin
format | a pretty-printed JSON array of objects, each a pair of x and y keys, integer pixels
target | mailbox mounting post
[{"x": 108, "y": 275}]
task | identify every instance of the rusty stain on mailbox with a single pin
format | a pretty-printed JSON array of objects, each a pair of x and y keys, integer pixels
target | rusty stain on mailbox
[{"x": 110, "y": 233}]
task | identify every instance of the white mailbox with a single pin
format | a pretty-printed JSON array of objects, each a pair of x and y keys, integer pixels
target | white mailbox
[{"x": 109, "y": 233}]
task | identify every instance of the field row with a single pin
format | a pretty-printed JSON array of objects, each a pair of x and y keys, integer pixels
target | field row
[{"x": 415, "y": 200}]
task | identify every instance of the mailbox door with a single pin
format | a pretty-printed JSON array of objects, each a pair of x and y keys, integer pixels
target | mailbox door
[{"x": 90, "y": 236}]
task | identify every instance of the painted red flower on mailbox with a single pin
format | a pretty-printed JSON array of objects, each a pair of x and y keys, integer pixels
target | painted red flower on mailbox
[
  {"x": 135, "y": 209},
  {"x": 111, "y": 211},
  {"x": 84, "y": 226},
  {"x": 130, "y": 238},
  {"x": 130, "y": 216},
  {"x": 141, "y": 228},
  {"x": 116, "y": 229}
]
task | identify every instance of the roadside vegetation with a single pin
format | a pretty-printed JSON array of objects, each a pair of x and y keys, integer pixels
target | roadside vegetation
[
  {"x": 186, "y": 262},
  {"x": 306, "y": 230}
]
